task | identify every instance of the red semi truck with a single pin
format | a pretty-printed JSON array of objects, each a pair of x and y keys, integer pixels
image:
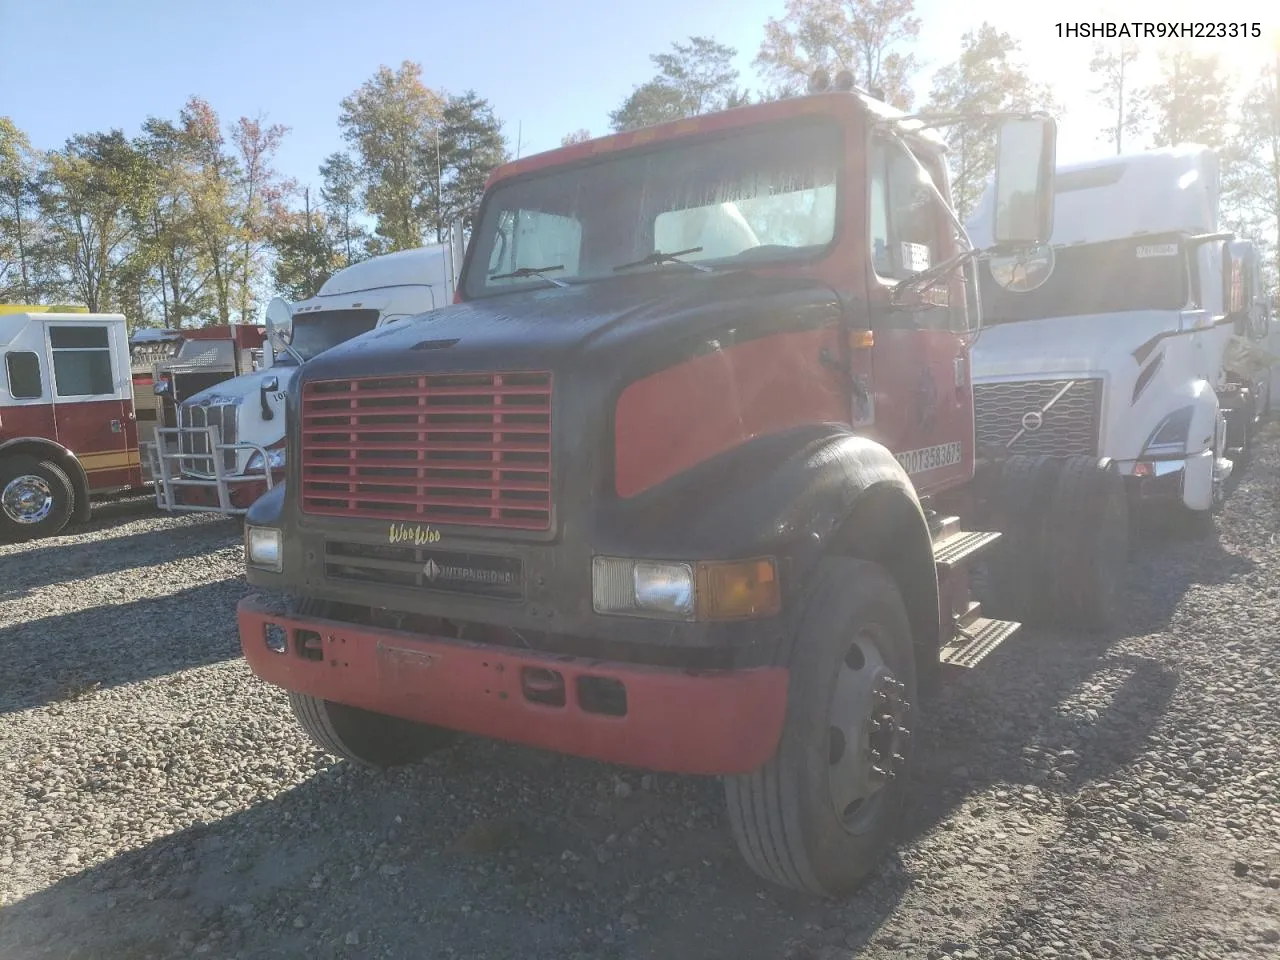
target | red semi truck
[{"x": 685, "y": 480}]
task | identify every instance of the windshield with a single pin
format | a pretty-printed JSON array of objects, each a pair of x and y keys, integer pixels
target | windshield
[
  {"x": 766, "y": 193},
  {"x": 314, "y": 333},
  {"x": 1137, "y": 273}
]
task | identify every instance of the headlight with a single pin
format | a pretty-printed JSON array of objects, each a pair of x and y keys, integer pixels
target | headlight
[
  {"x": 1171, "y": 435},
  {"x": 275, "y": 460},
  {"x": 678, "y": 590},
  {"x": 263, "y": 548}
]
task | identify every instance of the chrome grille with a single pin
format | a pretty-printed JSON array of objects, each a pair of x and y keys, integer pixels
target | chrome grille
[
  {"x": 196, "y": 459},
  {"x": 1006, "y": 420}
]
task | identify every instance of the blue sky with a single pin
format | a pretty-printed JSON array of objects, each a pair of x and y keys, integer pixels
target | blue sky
[{"x": 548, "y": 68}]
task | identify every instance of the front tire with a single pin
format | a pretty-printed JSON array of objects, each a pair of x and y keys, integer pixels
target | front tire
[
  {"x": 363, "y": 737},
  {"x": 1087, "y": 547},
  {"x": 37, "y": 498},
  {"x": 822, "y": 813}
]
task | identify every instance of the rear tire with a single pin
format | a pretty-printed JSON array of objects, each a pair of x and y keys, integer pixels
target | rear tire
[
  {"x": 1087, "y": 545},
  {"x": 37, "y": 498},
  {"x": 1017, "y": 584},
  {"x": 363, "y": 737},
  {"x": 853, "y": 649}
]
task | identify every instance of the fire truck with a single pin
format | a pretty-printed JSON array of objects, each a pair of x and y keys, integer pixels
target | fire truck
[
  {"x": 67, "y": 427},
  {"x": 686, "y": 478},
  {"x": 74, "y": 388}
]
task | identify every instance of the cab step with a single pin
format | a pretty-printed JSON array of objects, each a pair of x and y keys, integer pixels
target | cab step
[
  {"x": 958, "y": 547},
  {"x": 976, "y": 637}
]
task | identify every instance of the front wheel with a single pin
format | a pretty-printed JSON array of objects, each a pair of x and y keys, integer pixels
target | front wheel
[
  {"x": 821, "y": 814},
  {"x": 36, "y": 498},
  {"x": 363, "y": 737}
]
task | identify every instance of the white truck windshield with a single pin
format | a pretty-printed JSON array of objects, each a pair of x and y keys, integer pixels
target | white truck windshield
[
  {"x": 1118, "y": 276},
  {"x": 317, "y": 332}
]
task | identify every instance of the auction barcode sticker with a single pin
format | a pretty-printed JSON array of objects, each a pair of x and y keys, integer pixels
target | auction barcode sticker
[{"x": 930, "y": 458}]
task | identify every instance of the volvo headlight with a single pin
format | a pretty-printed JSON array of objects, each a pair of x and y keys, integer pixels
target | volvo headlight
[
  {"x": 264, "y": 548},
  {"x": 1171, "y": 435},
  {"x": 679, "y": 590},
  {"x": 275, "y": 460}
]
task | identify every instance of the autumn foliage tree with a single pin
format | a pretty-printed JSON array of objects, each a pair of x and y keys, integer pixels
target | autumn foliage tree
[
  {"x": 987, "y": 77},
  {"x": 869, "y": 38},
  {"x": 693, "y": 78}
]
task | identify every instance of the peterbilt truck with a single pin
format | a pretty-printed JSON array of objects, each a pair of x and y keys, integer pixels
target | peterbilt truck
[
  {"x": 1115, "y": 340},
  {"x": 708, "y": 509},
  {"x": 226, "y": 468}
]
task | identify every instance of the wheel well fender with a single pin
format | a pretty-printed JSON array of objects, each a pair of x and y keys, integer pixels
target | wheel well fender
[
  {"x": 46, "y": 449},
  {"x": 851, "y": 497},
  {"x": 886, "y": 525}
]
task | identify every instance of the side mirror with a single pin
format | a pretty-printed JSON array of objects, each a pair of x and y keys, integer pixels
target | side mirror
[
  {"x": 279, "y": 321},
  {"x": 1026, "y": 161},
  {"x": 271, "y": 384},
  {"x": 1235, "y": 286}
]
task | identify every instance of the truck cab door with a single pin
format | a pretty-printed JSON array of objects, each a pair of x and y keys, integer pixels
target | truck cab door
[
  {"x": 920, "y": 357},
  {"x": 93, "y": 401}
]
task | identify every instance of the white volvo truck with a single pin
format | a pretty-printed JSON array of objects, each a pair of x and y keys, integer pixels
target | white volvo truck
[
  {"x": 1110, "y": 340},
  {"x": 228, "y": 448}
]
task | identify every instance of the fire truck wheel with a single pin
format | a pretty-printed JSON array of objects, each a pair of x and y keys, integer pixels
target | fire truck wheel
[
  {"x": 36, "y": 498},
  {"x": 366, "y": 738},
  {"x": 1088, "y": 545},
  {"x": 823, "y": 811},
  {"x": 1017, "y": 582}
]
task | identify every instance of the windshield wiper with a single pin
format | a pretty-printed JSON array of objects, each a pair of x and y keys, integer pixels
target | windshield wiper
[
  {"x": 540, "y": 272},
  {"x": 657, "y": 257}
]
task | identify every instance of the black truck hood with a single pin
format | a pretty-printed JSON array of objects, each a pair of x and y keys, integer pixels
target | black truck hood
[{"x": 545, "y": 328}]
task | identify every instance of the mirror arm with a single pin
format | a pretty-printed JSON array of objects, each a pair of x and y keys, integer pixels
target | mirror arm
[{"x": 288, "y": 348}]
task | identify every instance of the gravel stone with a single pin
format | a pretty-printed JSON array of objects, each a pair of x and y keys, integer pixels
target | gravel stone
[{"x": 157, "y": 800}]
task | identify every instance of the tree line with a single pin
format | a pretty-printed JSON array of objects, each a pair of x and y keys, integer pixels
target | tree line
[{"x": 189, "y": 222}]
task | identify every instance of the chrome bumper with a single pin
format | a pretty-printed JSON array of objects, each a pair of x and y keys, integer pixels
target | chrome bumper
[{"x": 162, "y": 461}]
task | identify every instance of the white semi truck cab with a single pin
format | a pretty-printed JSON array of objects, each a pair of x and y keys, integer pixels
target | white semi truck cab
[
  {"x": 1110, "y": 341},
  {"x": 229, "y": 446}
]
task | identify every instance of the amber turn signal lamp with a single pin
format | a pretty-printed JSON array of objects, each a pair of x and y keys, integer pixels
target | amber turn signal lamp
[{"x": 738, "y": 589}]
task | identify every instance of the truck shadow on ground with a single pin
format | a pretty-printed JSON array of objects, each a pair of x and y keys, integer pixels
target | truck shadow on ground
[
  {"x": 470, "y": 852},
  {"x": 72, "y": 655},
  {"x": 487, "y": 845},
  {"x": 63, "y": 560}
]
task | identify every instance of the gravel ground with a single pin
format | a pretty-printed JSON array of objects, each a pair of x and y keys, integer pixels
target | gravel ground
[{"x": 1077, "y": 797}]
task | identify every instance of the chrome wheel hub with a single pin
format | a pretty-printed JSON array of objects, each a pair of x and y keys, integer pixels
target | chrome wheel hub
[
  {"x": 26, "y": 499},
  {"x": 867, "y": 736}
]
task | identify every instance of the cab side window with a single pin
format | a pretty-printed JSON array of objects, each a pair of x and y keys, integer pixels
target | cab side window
[
  {"x": 904, "y": 216},
  {"x": 81, "y": 361},
  {"x": 22, "y": 372}
]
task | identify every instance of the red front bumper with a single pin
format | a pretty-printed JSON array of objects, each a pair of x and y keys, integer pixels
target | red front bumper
[{"x": 680, "y": 721}]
